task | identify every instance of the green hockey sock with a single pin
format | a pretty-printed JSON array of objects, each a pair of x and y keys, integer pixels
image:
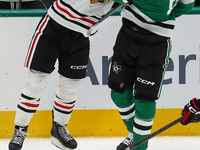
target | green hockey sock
[
  {"x": 143, "y": 121},
  {"x": 125, "y": 103}
]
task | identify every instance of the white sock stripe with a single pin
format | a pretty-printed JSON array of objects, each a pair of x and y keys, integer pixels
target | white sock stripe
[
  {"x": 128, "y": 116},
  {"x": 126, "y": 108},
  {"x": 142, "y": 127},
  {"x": 143, "y": 122},
  {"x": 141, "y": 132}
]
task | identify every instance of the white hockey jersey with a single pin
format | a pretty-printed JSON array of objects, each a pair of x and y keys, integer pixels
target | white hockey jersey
[{"x": 78, "y": 15}]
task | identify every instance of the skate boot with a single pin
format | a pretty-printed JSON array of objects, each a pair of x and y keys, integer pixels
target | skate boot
[
  {"x": 61, "y": 137},
  {"x": 128, "y": 141},
  {"x": 18, "y": 138}
]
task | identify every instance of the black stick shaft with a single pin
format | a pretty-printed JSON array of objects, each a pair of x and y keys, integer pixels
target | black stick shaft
[
  {"x": 156, "y": 133},
  {"x": 106, "y": 16},
  {"x": 110, "y": 13}
]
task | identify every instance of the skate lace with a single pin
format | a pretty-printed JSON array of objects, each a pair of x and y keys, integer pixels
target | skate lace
[
  {"x": 64, "y": 133},
  {"x": 128, "y": 141},
  {"x": 18, "y": 136}
]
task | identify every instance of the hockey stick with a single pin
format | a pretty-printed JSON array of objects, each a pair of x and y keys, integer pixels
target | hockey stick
[
  {"x": 154, "y": 134},
  {"x": 106, "y": 16}
]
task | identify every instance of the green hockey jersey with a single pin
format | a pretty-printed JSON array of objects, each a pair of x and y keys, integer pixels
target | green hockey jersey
[{"x": 157, "y": 16}]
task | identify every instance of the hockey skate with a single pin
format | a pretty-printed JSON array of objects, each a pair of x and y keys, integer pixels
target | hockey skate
[
  {"x": 18, "y": 138},
  {"x": 61, "y": 137},
  {"x": 126, "y": 142}
]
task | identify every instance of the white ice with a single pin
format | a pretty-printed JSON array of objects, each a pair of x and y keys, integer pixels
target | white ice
[{"x": 92, "y": 143}]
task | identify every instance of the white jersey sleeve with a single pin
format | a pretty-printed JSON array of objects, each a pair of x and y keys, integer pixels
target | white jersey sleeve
[{"x": 78, "y": 15}]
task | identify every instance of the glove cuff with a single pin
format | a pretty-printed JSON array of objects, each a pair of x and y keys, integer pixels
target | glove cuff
[{"x": 196, "y": 103}]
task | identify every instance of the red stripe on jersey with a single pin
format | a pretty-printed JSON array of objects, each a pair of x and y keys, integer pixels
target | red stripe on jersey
[
  {"x": 62, "y": 106},
  {"x": 34, "y": 40},
  {"x": 69, "y": 14},
  {"x": 30, "y": 105},
  {"x": 193, "y": 101}
]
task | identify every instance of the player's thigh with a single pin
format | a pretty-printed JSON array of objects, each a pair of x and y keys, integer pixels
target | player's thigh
[
  {"x": 121, "y": 77},
  {"x": 122, "y": 72},
  {"x": 151, "y": 68},
  {"x": 73, "y": 62},
  {"x": 43, "y": 50}
]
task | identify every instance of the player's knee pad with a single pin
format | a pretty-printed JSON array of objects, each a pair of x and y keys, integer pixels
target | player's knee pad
[
  {"x": 119, "y": 87},
  {"x": 141, "y": 96},
  {"x": 115, "y": 86},
  {"x": 35, "y": 83},
  {"x": 68, "y": 89}
]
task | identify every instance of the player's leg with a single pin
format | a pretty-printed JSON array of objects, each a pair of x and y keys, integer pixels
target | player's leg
[
  {"x": 38, "y": 77},
  {"x": 29, "y": 101},
  {"x": 72, "y": 68},
  {"x": 143, "y": 121},
  {"x": 150, "y": 72},
  {"x": 63, "y": 106},
  {"x": 126, "y": 106},
  {"x": 121, "y": 81}
]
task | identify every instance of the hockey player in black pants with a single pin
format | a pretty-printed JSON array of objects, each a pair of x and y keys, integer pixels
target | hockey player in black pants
[
  {"x": 62, "y": 34},
  {"x": 140, "y": 58}
]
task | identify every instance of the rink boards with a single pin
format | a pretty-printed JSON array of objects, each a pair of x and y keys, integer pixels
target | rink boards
[{"x": 95, "y": 114}]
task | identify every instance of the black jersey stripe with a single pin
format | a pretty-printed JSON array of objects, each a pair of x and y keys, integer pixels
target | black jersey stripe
[
  {"x": 72, "y": 21},
  {"x": 168, "y": 26}
]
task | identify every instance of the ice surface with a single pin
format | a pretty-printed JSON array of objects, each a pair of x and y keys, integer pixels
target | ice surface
[{"x": 92, "y": 143}]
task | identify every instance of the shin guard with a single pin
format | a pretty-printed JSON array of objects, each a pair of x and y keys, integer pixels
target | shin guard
[
  {"x": 125, "y": 103},
  {"x": 65, "y": 99},
  {"x": 143, "y": 121},
  {"x": 29, "y": 101}
]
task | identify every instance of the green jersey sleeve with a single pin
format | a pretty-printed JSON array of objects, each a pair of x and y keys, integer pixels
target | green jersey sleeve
[{"x": 181, "y": 8}]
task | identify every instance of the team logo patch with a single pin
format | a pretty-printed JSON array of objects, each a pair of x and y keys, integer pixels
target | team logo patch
[{"x": 116, "y": 68}]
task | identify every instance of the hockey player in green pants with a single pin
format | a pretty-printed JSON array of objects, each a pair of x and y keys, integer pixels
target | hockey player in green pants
[{"x": 140, "y": 58}]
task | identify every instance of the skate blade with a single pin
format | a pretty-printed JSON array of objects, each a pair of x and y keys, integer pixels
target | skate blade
[{"x": 58, "y": 144}]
